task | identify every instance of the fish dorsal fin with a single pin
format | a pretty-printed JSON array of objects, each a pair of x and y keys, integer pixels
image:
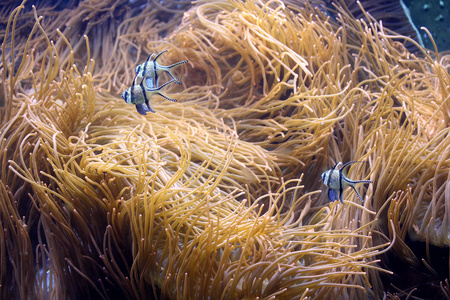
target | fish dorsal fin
[
  {"x": 349, "y": 163},
  {"x": 336, "y": 165}
]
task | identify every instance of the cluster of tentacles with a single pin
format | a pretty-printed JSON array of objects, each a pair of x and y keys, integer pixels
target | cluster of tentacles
[{"x": 219, "y": 194}]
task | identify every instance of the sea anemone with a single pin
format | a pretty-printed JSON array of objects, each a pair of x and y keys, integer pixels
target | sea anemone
[{"x": 218, "y": 195}]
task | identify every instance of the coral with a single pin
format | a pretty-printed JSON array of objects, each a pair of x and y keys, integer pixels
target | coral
[{"x": 218, "y": 195}]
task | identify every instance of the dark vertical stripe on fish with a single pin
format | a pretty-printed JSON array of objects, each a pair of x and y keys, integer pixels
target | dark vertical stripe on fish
[
  {"x": 144, "y": 71},
  {"x": 132, "y": 93},
  {"x": 329, "y": 176},
  {"x": 144, "y": 93},
  {"x": 341, "y": 188},
  {"x": 155, "y": 82}
]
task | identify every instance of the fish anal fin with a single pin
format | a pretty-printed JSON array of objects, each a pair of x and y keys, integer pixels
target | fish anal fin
[{"x": 148, "y": 107}]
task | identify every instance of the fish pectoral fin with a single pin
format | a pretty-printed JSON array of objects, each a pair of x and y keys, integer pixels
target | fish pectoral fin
[
  {"x": 332, "y": 195},
  {"x": 142, "y": 109}
]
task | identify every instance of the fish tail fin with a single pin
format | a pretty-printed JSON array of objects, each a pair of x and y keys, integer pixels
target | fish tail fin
[
  {"x": 168, "y": 98},
  {"x": 173, "y": 78},
  {"x": 362, "y": 181},
  {"x": 357, "y": 194},
  {"x": 167, "y": 69},
  {"x": 168, "y": 82},
  {"x": 353, "y": 182},
  {"x": 177, "y": 64}
]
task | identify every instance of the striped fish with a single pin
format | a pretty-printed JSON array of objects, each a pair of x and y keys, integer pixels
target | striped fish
[
  {"x": 336, "y": 182},
  {"x": 145, "y": 83},
  {"x": 139, "y": 95}
]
